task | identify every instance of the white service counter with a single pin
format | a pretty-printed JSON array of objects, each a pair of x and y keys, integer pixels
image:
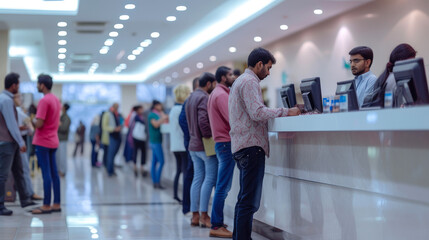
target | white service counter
[{"x": 354, "y": 175}]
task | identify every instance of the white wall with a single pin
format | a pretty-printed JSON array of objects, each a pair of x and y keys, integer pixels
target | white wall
[{"x": 319, "y": 50}]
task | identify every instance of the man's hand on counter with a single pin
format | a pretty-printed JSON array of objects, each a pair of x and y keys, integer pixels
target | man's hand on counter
[{"x": 293, "y": 111}]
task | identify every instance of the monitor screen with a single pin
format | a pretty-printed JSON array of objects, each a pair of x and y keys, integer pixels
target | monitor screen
[
  {"x": 348, "y": 88},
  {"x": 411, "y": 83},
  {"x": 312, "y": 94},
  {"x": 287, "y": 93}
]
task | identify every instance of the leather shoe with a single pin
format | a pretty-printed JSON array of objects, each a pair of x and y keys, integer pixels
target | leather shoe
[
  {"x": 220, "y": 232},
  {"x": 27, "y": 203},
  {"x": 5, "y": 212},
  {"x": 36, "y": 197}
]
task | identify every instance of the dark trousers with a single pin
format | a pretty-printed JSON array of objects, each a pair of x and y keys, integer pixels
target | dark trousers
[
  {"x": 51, "y": 180},
  {"x": 181, "y": 160},
  {"x": 251, "y": 163},
  {"x": 188, "y": 176},
  {"x": 139, "y": 145},
  {"x": 105, "y": 153},
  {"x": 94, "y": 154},
  {"x": 78, "y": 144},
  {"x": 114, "y": 144},
  {"x": 10, "y": 159}
]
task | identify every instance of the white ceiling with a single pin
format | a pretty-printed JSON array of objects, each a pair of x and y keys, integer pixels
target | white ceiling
[{"x": 38, "y": 35}]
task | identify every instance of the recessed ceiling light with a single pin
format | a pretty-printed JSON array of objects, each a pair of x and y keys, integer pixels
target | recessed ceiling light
[
  {"x": 118, "y": 69},
  {"x": 118, "y": 26},
  {"x": 113, "y": 34},
  {"x": 62, "y": 33},
  {"x": 233, "y": 49},
  {"x": 62, "y": 42},
  {"x": 109, "y": 42},
  {"x": 181, "y": 8},
  {"x": 257, "y": 39},
  {"x": 144, "y": 44},
  {"x": 155, "y": 35},
  {"x": 61, "y": 70},
  {"x": 200, "y": 65},
  {"x": 318, "y": 11},
  {"x": 104, "y": 50},
  {"x": 284, "y": 27},
  {"x": 175, "y": 75},
  {"x": 123, "y": 65},
  {"x": 212, "y": 58},
  {"x": 62, "y": 24},
  {"x": 186, "y": 70},
  {"x": 61, "y": 56},
  {"x": 124, "y": 17},
  {"x": 130, "y": 6},
  {"x": 136, "y": 52},
  {"x": 168, "y": 79},
  {"x": 131, "y": 57},
  {"x": 95, "y": 65},
  {"x": 148, "y": 41},
  {"x": 62, "y": 50},
  {"x": 155, "y": 84},
  {"x": 171, "y": 18},
  {"x": 61, "y": 64},
  {"x": 141, "y": 49}
]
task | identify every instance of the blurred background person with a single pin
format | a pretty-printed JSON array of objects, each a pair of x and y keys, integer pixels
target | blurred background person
[
  {"x": 94, "y": 136},
  {"x": 139, "y": 137},
  {"x": 111, "y": 137},
  {"x": 63, "y": 136},
  {"x": 79, "y": 138},
  {"x": 155, "y": 119}
]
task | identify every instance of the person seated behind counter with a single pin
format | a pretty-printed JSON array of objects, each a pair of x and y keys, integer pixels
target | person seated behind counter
[{"x": 360, "y": 63}]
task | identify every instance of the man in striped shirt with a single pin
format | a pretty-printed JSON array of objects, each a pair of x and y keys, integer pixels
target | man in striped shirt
[{"x": 248, "y": 118}]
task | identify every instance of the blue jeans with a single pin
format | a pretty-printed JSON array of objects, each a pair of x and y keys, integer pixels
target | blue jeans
[
  {"x": 224, "y": 181},
  {"x": 157, "y": 158},
  {"x": 251, "y": 163},
  {"x": 112, "y": 150},
  {"x": 188, "y": 176},
  {"x": 205, "y": 174},
  {"x": 47, "y": 162},
  {"x": 94, "y": 154}
]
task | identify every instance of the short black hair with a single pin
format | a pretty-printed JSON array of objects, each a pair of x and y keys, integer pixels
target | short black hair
[
  {"x": 195, "y": 83},
  {"x": 46, "y": 80},
  {"x": 260, "y": 54},
  {"x": 154, "y": 103},
  {"x": 66, "y": 106},
  {"x": 220, "y": 72},
  {"x": 364, "y": 51},
  {"x": 10, "y": 79},
  {"x": 237, "y": 72},
  {"x": 205, "y": 78}
]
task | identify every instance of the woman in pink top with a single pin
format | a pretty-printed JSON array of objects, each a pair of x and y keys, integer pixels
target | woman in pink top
[{"x": 46, "y": 142}]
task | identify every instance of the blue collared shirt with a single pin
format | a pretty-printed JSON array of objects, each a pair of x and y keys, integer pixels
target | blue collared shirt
[
  {"x": 364, "y": 85},
  {"x": 7, "y": 109}
]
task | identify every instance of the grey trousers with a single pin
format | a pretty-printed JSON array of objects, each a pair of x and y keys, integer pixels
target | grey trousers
[
  {"x": 61, "y": 156},
  {"x": 26, "y": 170},
  {"x": 11, "y": 159}
]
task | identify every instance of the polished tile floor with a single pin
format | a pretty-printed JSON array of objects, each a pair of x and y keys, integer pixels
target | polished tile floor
[{"x": 95, "y": 206}]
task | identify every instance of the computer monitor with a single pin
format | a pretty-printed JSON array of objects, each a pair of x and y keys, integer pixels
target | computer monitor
[
  {"x": 411, "y": 85},
  {"x": 349, "y": 88},
  {"x": 287, "y": 93},
  {"x": 312, "y": 94}
]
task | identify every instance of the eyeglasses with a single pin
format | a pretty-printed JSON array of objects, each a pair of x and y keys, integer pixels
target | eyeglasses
[{"x": 356, "y": 60}]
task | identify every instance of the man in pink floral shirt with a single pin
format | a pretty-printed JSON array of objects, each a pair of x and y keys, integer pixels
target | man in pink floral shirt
[{"x": 248, "y": 117}]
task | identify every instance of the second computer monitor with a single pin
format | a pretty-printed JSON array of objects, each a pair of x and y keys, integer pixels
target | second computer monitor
[
  {"x": 348, "y": 88},
  {"x": 312, "y": 94},
  {"x": 287, "y": 93}
]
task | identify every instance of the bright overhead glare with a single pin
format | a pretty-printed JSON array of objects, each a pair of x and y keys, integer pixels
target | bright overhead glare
[
  {"x": 186, "y": 70},
  {"x": 181, "y": 8},
  {"x": 131, "y": 57},
  {"x": 136, "y": 52},
  {"x": 95, "y": 65},
  {"x": 130, "y": 6},
  {"x": 113, "y": 34},
  {"x": 233, "y": 49},
  {"x": 212, "y": 58},
  {"x": 124, "y": 17},
  {"x": 200, "y": 65},
  {"x": 109, "y": 42},
  {"x": 257, "y": 39},
  {"x": 155, "y": 35},
  {"x": 284, "y": 27},
  {"x": 61, "y": 64},
  {"x": 61, "y": 56},
  {"x": 118, "y": 26},
  {"x": 62, "y": 24},
  {"x": 62, "y": 42},
  {"x": 318, "y": 11},
  {"x": 17, "y": 51},
  {"x": 62, "y": 50},
  {"x": 61, "y": 69},
  {"x": 62, "y": 33},
  {"x": 32, "y": 7},
  {"x": 171, "y": 18}
]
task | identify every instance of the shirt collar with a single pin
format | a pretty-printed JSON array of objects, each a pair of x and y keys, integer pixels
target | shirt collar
[
  {"x": 199, "y": 89},
  {"x": 225, "y": 88},
  {"x": 248, "y": 71},
  {"x": 364, "y": 76},
  {"x": 8, "y": 93}
]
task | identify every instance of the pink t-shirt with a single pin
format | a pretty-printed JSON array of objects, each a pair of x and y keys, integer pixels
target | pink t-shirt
[
  {"x": 48, "y": 109},
  {"x": 218, "y": 113}
]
